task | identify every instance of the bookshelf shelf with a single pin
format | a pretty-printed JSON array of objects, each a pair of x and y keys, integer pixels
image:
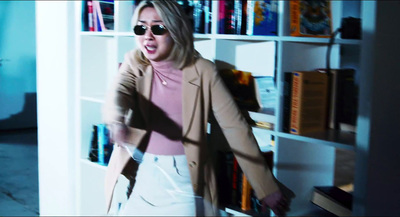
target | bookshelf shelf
[
  {"x": 95, "y": 99},
  {"x": 318, "y": 40},
  {"x": 331, "y": 138},
  {"x": 104, "y": 34},
  {"x": 93, "y": 164}
]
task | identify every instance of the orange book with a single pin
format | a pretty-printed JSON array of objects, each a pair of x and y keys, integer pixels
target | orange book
[
  {"x": 246, "y": 194},
  {"x": 310, "y": 18},
  {"x": 309, "y": 102}
]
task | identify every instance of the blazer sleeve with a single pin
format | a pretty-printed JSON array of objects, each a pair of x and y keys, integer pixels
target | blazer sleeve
[
  {"x": 240, "y": 138},
  {"x": 120, "y": 96}
]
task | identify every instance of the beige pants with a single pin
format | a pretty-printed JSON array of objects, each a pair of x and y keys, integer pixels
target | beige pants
[{"x": 163, "y": 187}]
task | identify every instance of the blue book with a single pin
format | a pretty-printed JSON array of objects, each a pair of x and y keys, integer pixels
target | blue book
[
  {"x": 105, "y": 147},
  {"x": 262, "y": 17}
]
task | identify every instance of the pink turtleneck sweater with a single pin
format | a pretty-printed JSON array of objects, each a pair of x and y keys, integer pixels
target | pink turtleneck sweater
[{"x": 166, "y": 112}]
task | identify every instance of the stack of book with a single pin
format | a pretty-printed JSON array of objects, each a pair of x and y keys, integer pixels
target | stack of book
[{"x": 199, "y": 13}]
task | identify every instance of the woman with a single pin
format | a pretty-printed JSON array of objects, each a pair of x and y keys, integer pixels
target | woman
[{"x": 158, "y": 111}]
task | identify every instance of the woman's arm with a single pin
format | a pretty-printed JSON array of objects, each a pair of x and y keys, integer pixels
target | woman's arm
[
  {"x": 240, "y": 138},
  {"x": 119, "y": 99}
]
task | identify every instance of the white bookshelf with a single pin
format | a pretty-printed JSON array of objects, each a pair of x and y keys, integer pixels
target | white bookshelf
[
  {"x": 89, "y": 60},
  {"x": 298, "y": 159}
]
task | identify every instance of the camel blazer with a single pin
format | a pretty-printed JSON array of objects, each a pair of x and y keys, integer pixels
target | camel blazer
[{"x": 203, "y": 92}]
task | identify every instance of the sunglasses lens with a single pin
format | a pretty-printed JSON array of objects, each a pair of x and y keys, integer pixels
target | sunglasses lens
[
  {"x": 158, "y": 29},
  {"x": 139, "y": 30}
]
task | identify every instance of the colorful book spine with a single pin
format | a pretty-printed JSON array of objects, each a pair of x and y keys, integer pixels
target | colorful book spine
[
  {"x": 90, "y": 15},
  {"x": 104, "y": 146},
  {"x": 94, "y": 144},
  {"x": 221, "y": 16},
  {"x": 100, "y": 19},
  {"x": 309, "y": 102},
  {"x": 287, "y": 97},
  {"x": 246, "y": 194},
  {"x": 262, "y": 17},
  {"x": 207, "y": 16},
  {"x": 235, "y": 187},
  {"x": 250, "y": 17},
  {"x": 238, "y": 16}
]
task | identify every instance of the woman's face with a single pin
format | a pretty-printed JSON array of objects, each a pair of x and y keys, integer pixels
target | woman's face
[{"x": 154, "y": 47}]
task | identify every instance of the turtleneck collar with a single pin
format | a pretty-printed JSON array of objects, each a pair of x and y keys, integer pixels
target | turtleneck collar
[{"x": 163, "y": 66}]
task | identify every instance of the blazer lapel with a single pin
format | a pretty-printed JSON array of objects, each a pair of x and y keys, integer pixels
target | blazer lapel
[
  {"x": 190, "y": 93},
  {"x": 143, "y": 87}
]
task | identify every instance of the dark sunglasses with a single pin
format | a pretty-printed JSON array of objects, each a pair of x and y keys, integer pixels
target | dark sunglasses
[{"x": 158, "y": 29}]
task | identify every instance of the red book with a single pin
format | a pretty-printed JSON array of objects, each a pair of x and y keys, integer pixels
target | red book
[
  {"x": 221, "y": 17},
  {"x": 235, "y": 175},
  {"x": 90, "y": 15}
]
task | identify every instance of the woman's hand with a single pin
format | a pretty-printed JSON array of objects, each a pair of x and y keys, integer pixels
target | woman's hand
[
  {"x": 277, "y": 202},
  {"x": 118, "y": 133}
]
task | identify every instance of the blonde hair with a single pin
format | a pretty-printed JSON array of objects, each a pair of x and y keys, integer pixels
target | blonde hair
[{"x": 176, "y": 21}]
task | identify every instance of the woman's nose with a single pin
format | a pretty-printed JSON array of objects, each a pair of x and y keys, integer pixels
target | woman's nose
[{"x": 148, "y": 34}]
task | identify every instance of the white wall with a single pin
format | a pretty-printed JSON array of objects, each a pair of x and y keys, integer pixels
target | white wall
[{"x": 56, "y": 119}]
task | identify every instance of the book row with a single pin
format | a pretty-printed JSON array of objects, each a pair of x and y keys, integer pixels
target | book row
[
  {"x": 318, "y": 100},
  {"x": 235, "y": 191},
  {"x": 101, "y": 146},
  {"x": 98, "y": 15},
  {"x": 241, "y": 17},
  {"x": 250, "y": 92},
  {"x": 313, "y": 101}
]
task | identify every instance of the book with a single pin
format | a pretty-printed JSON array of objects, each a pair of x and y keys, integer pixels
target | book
[
  {"x": 342, "y": 107},
  {"x": 266, "y": 93},
  {"x": 85, "y": 16},
  {"x": 234, "y": 190},
  {"x": 310, "y": 18},
  {"x": 287, "y": 101},
  {"x": 207, "y": 16},
  {"x": 93, "y": 150},
  {"x": 188, "y": 8},
  {"x": 90, "y": 16},
  {"x": 241, "y": 85},
  {"x": 198, "y": 16},
  {"x": 333, "y": 199},
  {"x": 103, "y": 15},
  {"x": 96, "y": 25},
  {"x": 240, "y": 17},
  {"x": 107, "y": 12},
  {"x": 105, "y": 147},
  {"x": 236, "y": 183},
  {"x": 246, "y": 194},
  {"x": 226, "y": 17},
  {"x": 262, "y": 17},
  {"x": 309, "y": 102},
  {"x": 224, "y": 177},
  {"x": 99, "y": 16}
]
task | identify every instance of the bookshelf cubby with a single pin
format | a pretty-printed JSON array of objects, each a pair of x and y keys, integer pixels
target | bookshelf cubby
[{"x": 301, "y": 162}]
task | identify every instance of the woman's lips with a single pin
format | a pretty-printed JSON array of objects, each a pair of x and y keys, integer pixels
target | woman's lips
[{"x": 151, "y": 49}]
